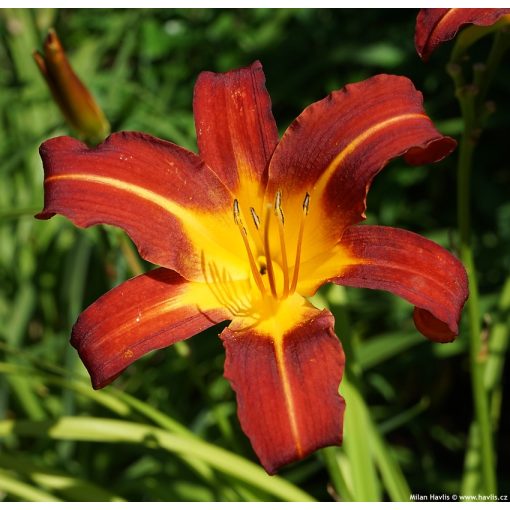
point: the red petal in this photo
(236, 131)
(158, 192)
(435, 26)
(336, 146)
(412, 267)
(287, 388)
(431, 327)
(148, 312)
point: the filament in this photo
(281, 233)
(268, 265)
(267, 251)
(253, 265)
(297, 260)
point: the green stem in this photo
(497, 52)
(474, 112)
(498, 342)
(477, 359)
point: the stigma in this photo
(274, 265)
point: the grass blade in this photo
(73, 489)
(22, 490)
(116, 431)
(357, 443)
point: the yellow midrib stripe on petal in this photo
(288, 315)
(192, 223)
(354, 144)
(287, 393)
(166, 204)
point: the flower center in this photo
(264, 266)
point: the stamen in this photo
(297, 260)
(267, 252)
(278, 206)
(237, 214)
(255, 218)
(244, 235)
(306, 203)
(281, 233)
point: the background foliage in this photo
(176, 434)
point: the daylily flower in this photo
(246, 231)
(435, 26)
(74, 100)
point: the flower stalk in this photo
(477, 359)
(475, 113)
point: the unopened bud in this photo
(74, 100)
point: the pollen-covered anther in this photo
(255, 218)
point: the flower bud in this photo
(74, 100)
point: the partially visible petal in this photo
(431, 327)
(336, 146)
(236, 131)
(435, 26)
(148, 312)
(411, 267)
(170, 203)
(286, 372)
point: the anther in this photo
(278, 206)
(256, 219)
(306, 203)
(237, 214)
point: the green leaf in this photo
(22, 490)
(116, 431)
(357, 443)
(378, 349)
(74, 489)
(366, 448)
(332, 459)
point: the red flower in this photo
(249, 228)
(435, 26)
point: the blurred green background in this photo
(411, 406)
